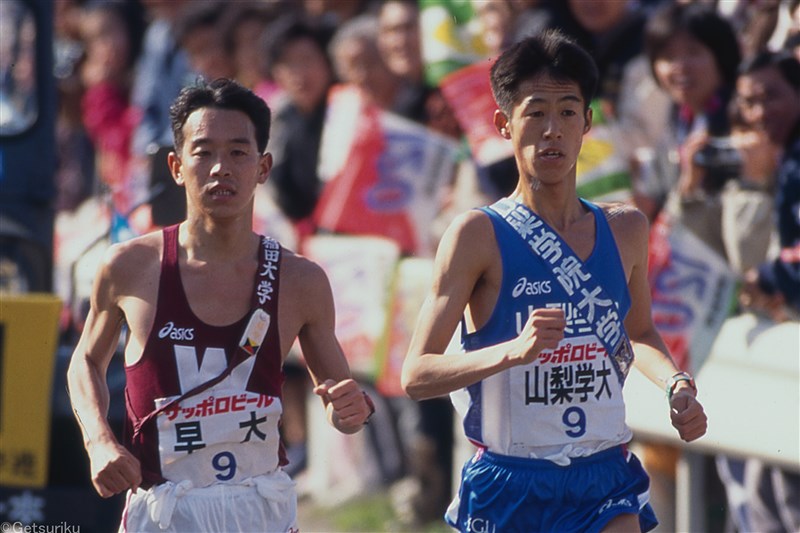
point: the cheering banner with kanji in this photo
(384, 174)
(693, 291)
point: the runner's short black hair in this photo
(221, 93)
(551, 53)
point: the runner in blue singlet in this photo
(552, 298)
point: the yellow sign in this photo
(28, 341)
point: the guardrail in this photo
(750, 389)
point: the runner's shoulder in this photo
(471, 228)
(304, 271)
(133, 257)
(625, 215)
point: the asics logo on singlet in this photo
(176, 334)
(530, 288)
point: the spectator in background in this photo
(242, 26)
(161, 72)
(111, 34)
(694, 54)
(423, 495)
(75, 171)
(792, 42)
(768, 95)
(400, 48)
(399, 39)
(764, 497)
(357, 61)
(748, 204)
(612, 32)
(296, 55)
(497, 21)
(536, 16)
(329, 15)
(755, 22)
(197, 31)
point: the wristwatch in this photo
(675, 379)
(371, 406)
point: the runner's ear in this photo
(501, 124)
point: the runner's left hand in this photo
(350, 408)
(687, 415)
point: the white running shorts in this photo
(265, 503)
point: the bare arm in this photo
(113, 468)
(462, 262)
(343, 398)
(652, 355)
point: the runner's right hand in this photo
(114, 469)
(543, 331)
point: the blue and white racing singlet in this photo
(567, 403)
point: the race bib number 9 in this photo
(219, 436)
(569, 394)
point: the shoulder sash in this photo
(585, 293)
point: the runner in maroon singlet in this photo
(211, 311)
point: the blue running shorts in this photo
(501, 494)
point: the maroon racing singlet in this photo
(223, 434)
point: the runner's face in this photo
(546, 128)
(219, 162)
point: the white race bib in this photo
(220, 435)
(568, 395)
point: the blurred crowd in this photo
(698, 101)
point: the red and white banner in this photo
(384, 173)
(469, 94)
(693, 292)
